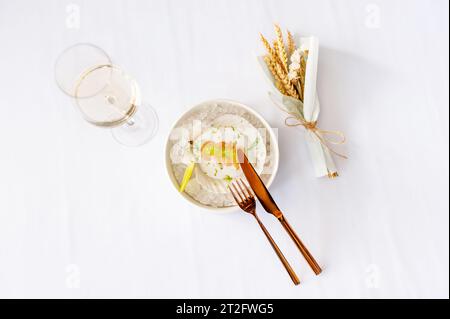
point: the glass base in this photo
(139, 129)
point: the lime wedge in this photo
(187, 176)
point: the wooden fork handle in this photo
(309, 258)
(280, 255)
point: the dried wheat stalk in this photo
(289, 87)
(272, 67)
(281, 50)
(291, 43)
(277, 61)
(270, 50)
(303, 71)
(298, 86)
(280, 87)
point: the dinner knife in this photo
(271, 207)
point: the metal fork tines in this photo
(246, 201)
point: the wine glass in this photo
(105, 94)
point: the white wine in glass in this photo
(105, 94)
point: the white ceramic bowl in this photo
(273, 142)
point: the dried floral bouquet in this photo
(289, 77)
(292, 70)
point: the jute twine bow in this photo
(312, 127)
(296, 120)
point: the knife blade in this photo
(258, 186)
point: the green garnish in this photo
(228, 178)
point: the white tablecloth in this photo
(83, 216)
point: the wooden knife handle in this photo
(306, 254)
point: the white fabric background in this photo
(83, 216)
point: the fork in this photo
(246, 201)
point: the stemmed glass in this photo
(105, 94)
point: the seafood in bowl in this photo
(204, 143)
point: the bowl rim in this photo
(247, 108)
